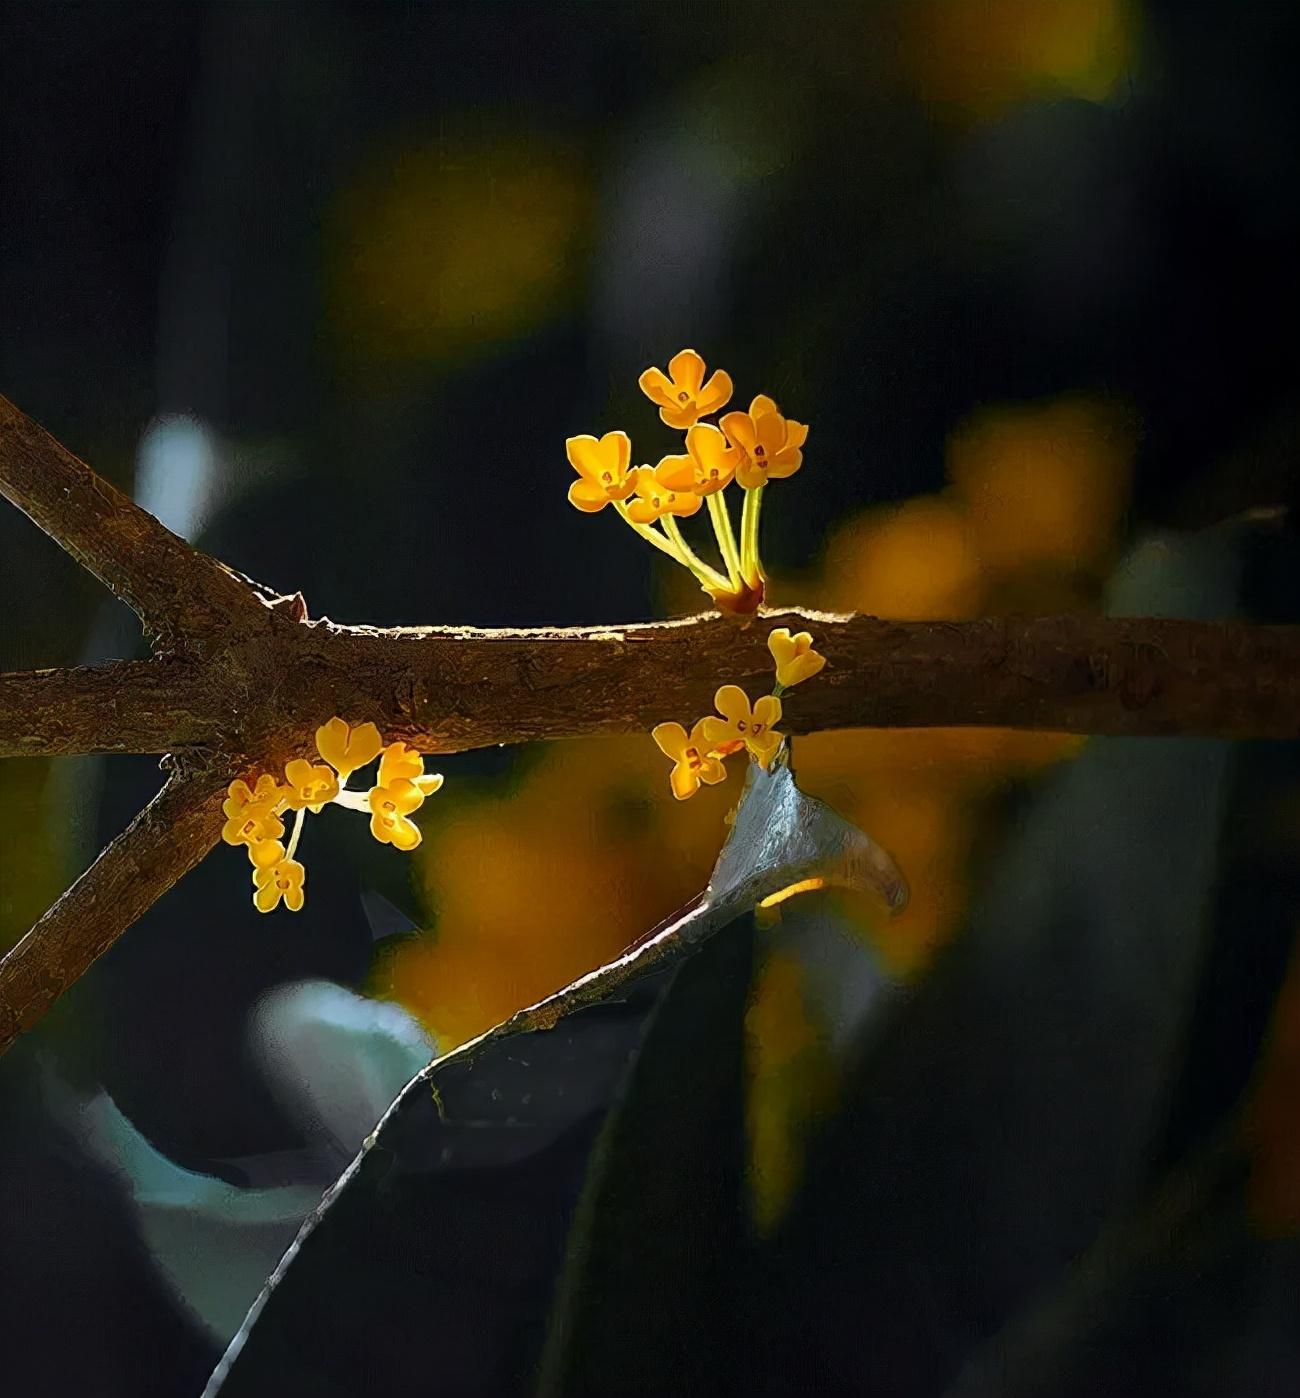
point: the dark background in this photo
(383, 259)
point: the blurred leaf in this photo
(659, 1223)
(437, 1252)
(336, 1059)
(1013, 1103)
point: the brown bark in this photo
(242, 680)
(165, 841)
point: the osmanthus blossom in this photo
(745, 724)
(655, 497)
(750, 448)
(739, 725)
(602, 465)
(253, 813)
(681, 394)
(692, 760)
(796, 660)
(769, 444)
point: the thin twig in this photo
(163, 843)
(171, 586)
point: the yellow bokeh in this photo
(30, 839)
(1044, 484)
(531, 884)
(977, 58)
(440, 250)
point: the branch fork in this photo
(241, 678)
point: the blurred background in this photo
(327, 285)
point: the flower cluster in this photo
(254, 814)
(749, 448)
(698, 755)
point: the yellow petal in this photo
(656, 387)
(406, 835)
(767, 710)
(684, 782)
(762, 406)
(782, 645)
(765, 747)
(266, 897)
(676, 472)
(680, 416)
(733, 703)
(642, 512)
(715, 394)
(714, 732)
(428, 785)
(687, 371)
(712, 772)
(615, 453)
(584, 456)
(299, 772)
(294, 898)
(265, 854)
(588, 497)
(684, 503)
(740, 430)
(671, 739)
(399, 760)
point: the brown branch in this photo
(165, 841)
(127, 706)
(172, 587)
(246, 681)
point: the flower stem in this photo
(297, 832)
(709, 577)
(749, 560)
(726, 539)
(648, 532)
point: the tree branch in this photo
(127, 706)
(165, 841)
(248, 679)
(171, 586)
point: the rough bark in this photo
(240, 680)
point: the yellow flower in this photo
(655, 498)
(252, 815)
(770, 445)
(795, 658)
(310, 787)
(391, 807)
(402, 762)
(603, 466)
(692, 760)
(682, 395)
(276, 876)
(346, 748)
(742, 724)
(710, 464)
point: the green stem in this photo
(648, 532)
(749, 560)
(709, 577)
(297, 832)
(726, 539)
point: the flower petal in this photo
(765, 747)
(740, 430)
(399, 760)
(684, 782)
(266, 897)
(676, 472)
(687, 371)
(767, 710)
(584, 456)
(642, 512)
(715, 394)
(762, 406)
(671, 739)
(684, 503)
(656, 387)
(294, 898)
(680, 416)
(588, 497)
(733, 703)
(406, 834)
(265, 854)
(712, 771)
